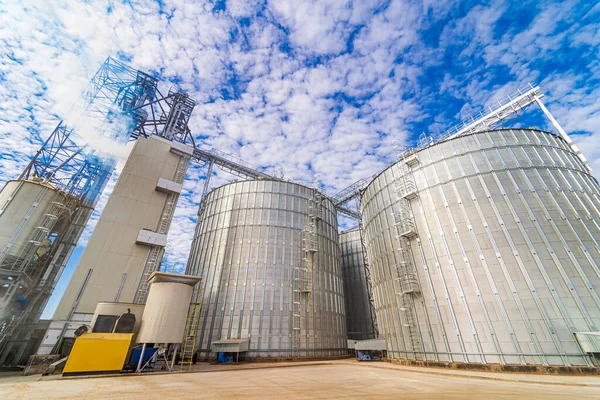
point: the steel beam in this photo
(230, 163)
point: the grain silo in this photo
(36, 218)
(358, 311)
(484, 249)
(269, 257)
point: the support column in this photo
(562, 132)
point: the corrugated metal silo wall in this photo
(247, 243)
(358, 313)
(507, 252)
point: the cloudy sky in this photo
(300, 86)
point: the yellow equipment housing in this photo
(98, 352)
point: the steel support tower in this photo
(119, 104)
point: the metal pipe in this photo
(139, 365)
(174, 356)
(120, 287)
(75, 304)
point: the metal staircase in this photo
(188, 347)
(405, 269)
(39, 293)
(25, 263)
(41, 232)
(4, 253)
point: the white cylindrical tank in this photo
(22, 205)
(166, 308)
(484, 249)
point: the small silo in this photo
(166, 310)
(358, 311)
(32, 214)
(484, 249)
(35, 220)
(23, 208)
(269, 257)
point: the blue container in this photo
(365, 355)
(149, 352)
(224, 358)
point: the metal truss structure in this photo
(490, 117)
(343, 197)
(497, 113)
(119, 104)
(122, 104)
(230, 163)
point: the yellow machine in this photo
(98, 352)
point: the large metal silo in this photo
(485, 248)
(358, 312)
(269, 257)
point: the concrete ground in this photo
(314, 380)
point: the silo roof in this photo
(157, 277)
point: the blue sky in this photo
(302, 86)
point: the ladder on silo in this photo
(188, 347)
(66, 205)
(302, 275)
(155, 254)
(406, 228)
(410, 324)
(27, 256)
(296, 309)
(22, 224)
(310, 243)
(54, 211)
(25, 262)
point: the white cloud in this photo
(276, 85)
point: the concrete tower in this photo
(128, 241)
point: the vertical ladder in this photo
(309, 248)
(155, 254)
(296, 310)
(151, 266)
(64, 206)
(22, 224)
(25, 263)
(410, 324)
(54, 211)
(302, 275)
(188, 346)
(405, 269)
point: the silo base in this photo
(342, 355)
(527, 369)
